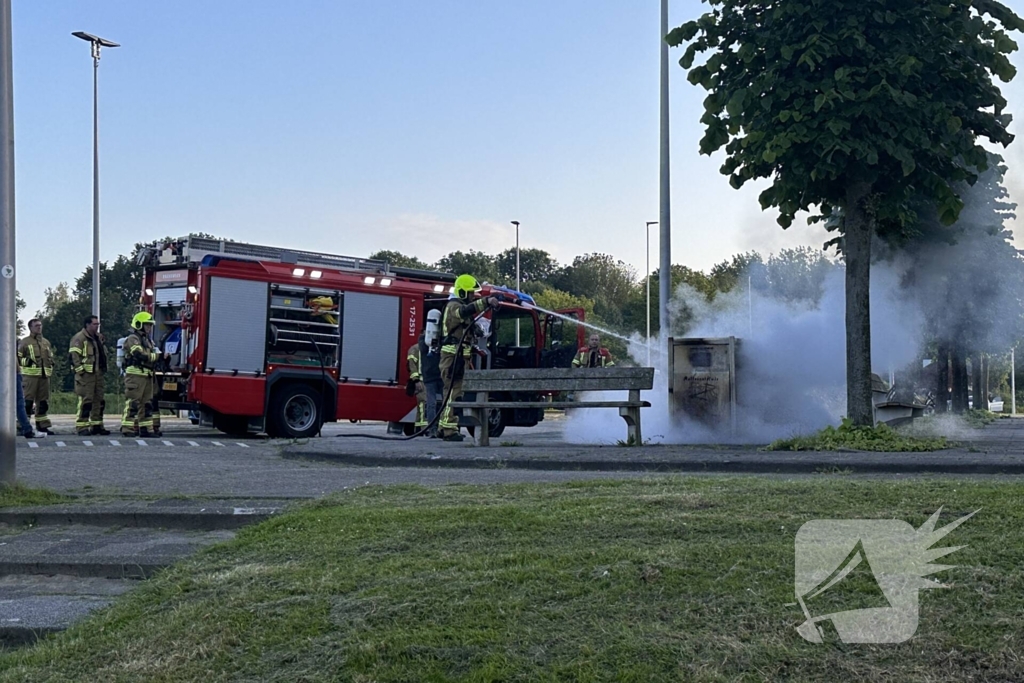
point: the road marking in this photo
(217, 443)
(33, 444)
(87, 443)
(193, 444)
(60, 444)
(241, 444)
(141, 442)
(115, 442)
(168, 443)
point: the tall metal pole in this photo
(665, 272)
(1013, 382)
(516, 223)
(8, 311)
(95, 180)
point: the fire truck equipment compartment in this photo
(238, 325)
(369, 346)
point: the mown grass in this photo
(20, 495)
(654, 580)
(847, 436)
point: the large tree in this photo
(398, 259)
(852, 105)
(535, 265)
(476, 263)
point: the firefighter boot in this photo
(454, 437)
(144, 433)
(100, 431)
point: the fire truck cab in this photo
(274, 340)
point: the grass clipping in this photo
(847, 436)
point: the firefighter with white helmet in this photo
(141, 417)
(457, 325)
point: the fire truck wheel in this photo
(295, 412)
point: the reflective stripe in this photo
(136, 370)
(32, 372)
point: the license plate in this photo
(170, 386)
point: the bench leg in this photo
(633, 434)
(483, 431)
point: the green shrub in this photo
(846, 435)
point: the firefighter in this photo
(416, 386)
(457, 324)
(88, 359)
(35, 356)
(593, 355)
(140, 357)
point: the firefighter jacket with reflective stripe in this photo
(412, 357)
(140, 355)
(424, 364)
(458, 316)
(593, 358)
(87, 354)
(35, 355)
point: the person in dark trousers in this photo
(430, 366)
(24, 424)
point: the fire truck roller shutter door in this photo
(369, 345)
(237, 335)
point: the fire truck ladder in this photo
(198, 248)
(193, 249)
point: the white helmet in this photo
(433, 331)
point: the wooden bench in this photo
(541, 380)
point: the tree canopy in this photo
(855, 106)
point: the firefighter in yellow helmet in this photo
(35, 356)
(457, 325)
(141, 417)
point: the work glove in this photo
(410, 388)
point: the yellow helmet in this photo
(465, 285)
(141, 318)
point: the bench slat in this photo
(559, 379)
(550, 404)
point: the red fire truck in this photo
(274, 340)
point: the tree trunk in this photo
(858, 230)
(959, 398)
(942, 386)
(985, 376)
(977, 383)
(965, 380)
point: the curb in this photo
(807, 466)
(104, 570)
(189, 521)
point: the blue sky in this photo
(352, 126)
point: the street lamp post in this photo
(8, 309)
(96, 43)
(516, 223)
(649, 224)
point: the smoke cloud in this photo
(791, 376)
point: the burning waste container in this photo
(702, 379)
